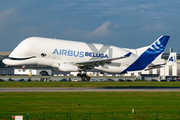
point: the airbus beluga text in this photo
(80, 56)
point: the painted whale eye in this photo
(43, 54)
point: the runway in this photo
(90, 89)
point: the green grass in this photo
(90, 84)
(77, 105)
(91, 105)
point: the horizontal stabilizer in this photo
(171, 61)
(152, 66)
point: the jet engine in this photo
(65, 67)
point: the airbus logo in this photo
(78, 53)
(171, 59)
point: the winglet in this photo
(127, 55)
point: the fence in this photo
(120, 115)
(12, 116)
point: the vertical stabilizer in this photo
(172, 58)
(149, 54)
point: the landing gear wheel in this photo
(79, 75)
(88, 78)
(83, 76)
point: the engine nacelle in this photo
(67, 67)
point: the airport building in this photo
(164, 71)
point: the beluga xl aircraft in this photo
(72, 56)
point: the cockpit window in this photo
(11, 58)
(43, 54)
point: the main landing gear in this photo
(84, 76)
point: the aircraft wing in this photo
(152, 66)
(100, 62)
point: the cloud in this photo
(156, 27)
(102, 30)
(6, 13)
(28, 30)
(6, 18)
(71, 31)
(73, 34)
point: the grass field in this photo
(92, 105)
(90, 84)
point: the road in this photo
(89, 89)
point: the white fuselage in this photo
(70, 55)
(63, 51)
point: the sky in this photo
(122, 23)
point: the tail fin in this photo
(172, 59)
(154, 50)
(149, 54)
(158, 46)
